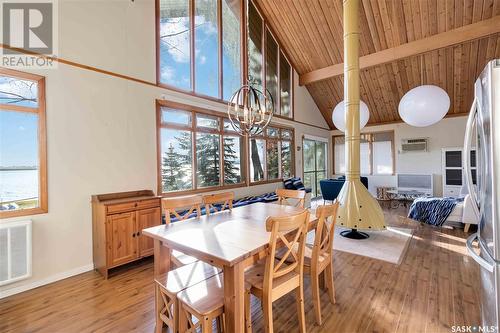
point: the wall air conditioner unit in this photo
(15, 251)
(414, 145)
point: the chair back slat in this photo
(172, 206)
(290, 231)
(224, 199)
(285, 194)
(325, 230)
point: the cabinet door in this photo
(147, 218)
(121, 238)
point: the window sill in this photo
(22, 212)
(202, 190)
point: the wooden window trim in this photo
(192, 90)
(243, 51)
(393, 146)
(42, 141)
(267, 138)
(244, 148)
(266, 27)
(194, 129)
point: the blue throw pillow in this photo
(299, 185)
(288, 183)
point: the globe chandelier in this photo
(424, 105)
(250, 110)
(338, 115)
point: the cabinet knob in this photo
(138, 233)
(133, 235)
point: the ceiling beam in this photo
(445, 39)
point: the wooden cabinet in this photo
(118, 219)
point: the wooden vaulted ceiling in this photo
(311, 33)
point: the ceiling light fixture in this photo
(250, 110)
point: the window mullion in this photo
(219, 51)
(191, 43)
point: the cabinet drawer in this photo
(148, 203)
(121, 207)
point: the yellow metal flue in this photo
(358, 208)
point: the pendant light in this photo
(424, 105)
(250, 110)
(338, 115)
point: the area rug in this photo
(389, 245)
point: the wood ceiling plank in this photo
(311, 33)
(457, 36)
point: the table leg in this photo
(234, 298)
(162, 258)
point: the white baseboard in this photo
(47, 280)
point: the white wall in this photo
(447, 133)
(101, 130)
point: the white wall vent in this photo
(15, 251)
(414, 145)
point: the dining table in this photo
(231, 240)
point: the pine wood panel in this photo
(312, 36)
(432, 289)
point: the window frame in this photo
(42, 141)
(264, 136)
(192, 90)
(267, 28)
(370, 149)
(194, 129)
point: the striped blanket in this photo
(433, 211)
(267, 197)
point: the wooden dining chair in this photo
(181, 208)
(205, 302)
(168, 285)
(174, 207)
(319, 258)
(285, 194)
(224, 199)
(270, 279)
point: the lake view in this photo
(18, 184)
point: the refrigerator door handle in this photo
(481, 261)
(466, 156)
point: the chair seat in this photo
(181, 259)
(254, 276)
(186, 276)
(204, 297)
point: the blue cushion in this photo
(288, 183)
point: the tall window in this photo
(197, 150)
(315, 164)
(271, 155)
(23, 167)
(267, 63)
(377, 153)
(199, 46)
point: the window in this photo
(197, 150)
(23, 167)
(199, 46)
(315, 164)
(271, 155)
(376, 154)
(275, 68)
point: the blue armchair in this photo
(330, 188)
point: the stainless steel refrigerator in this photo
(483, 127)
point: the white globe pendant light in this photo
(424, 105)
(338, 116)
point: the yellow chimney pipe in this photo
(358, 208)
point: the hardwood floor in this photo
(432, 289)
